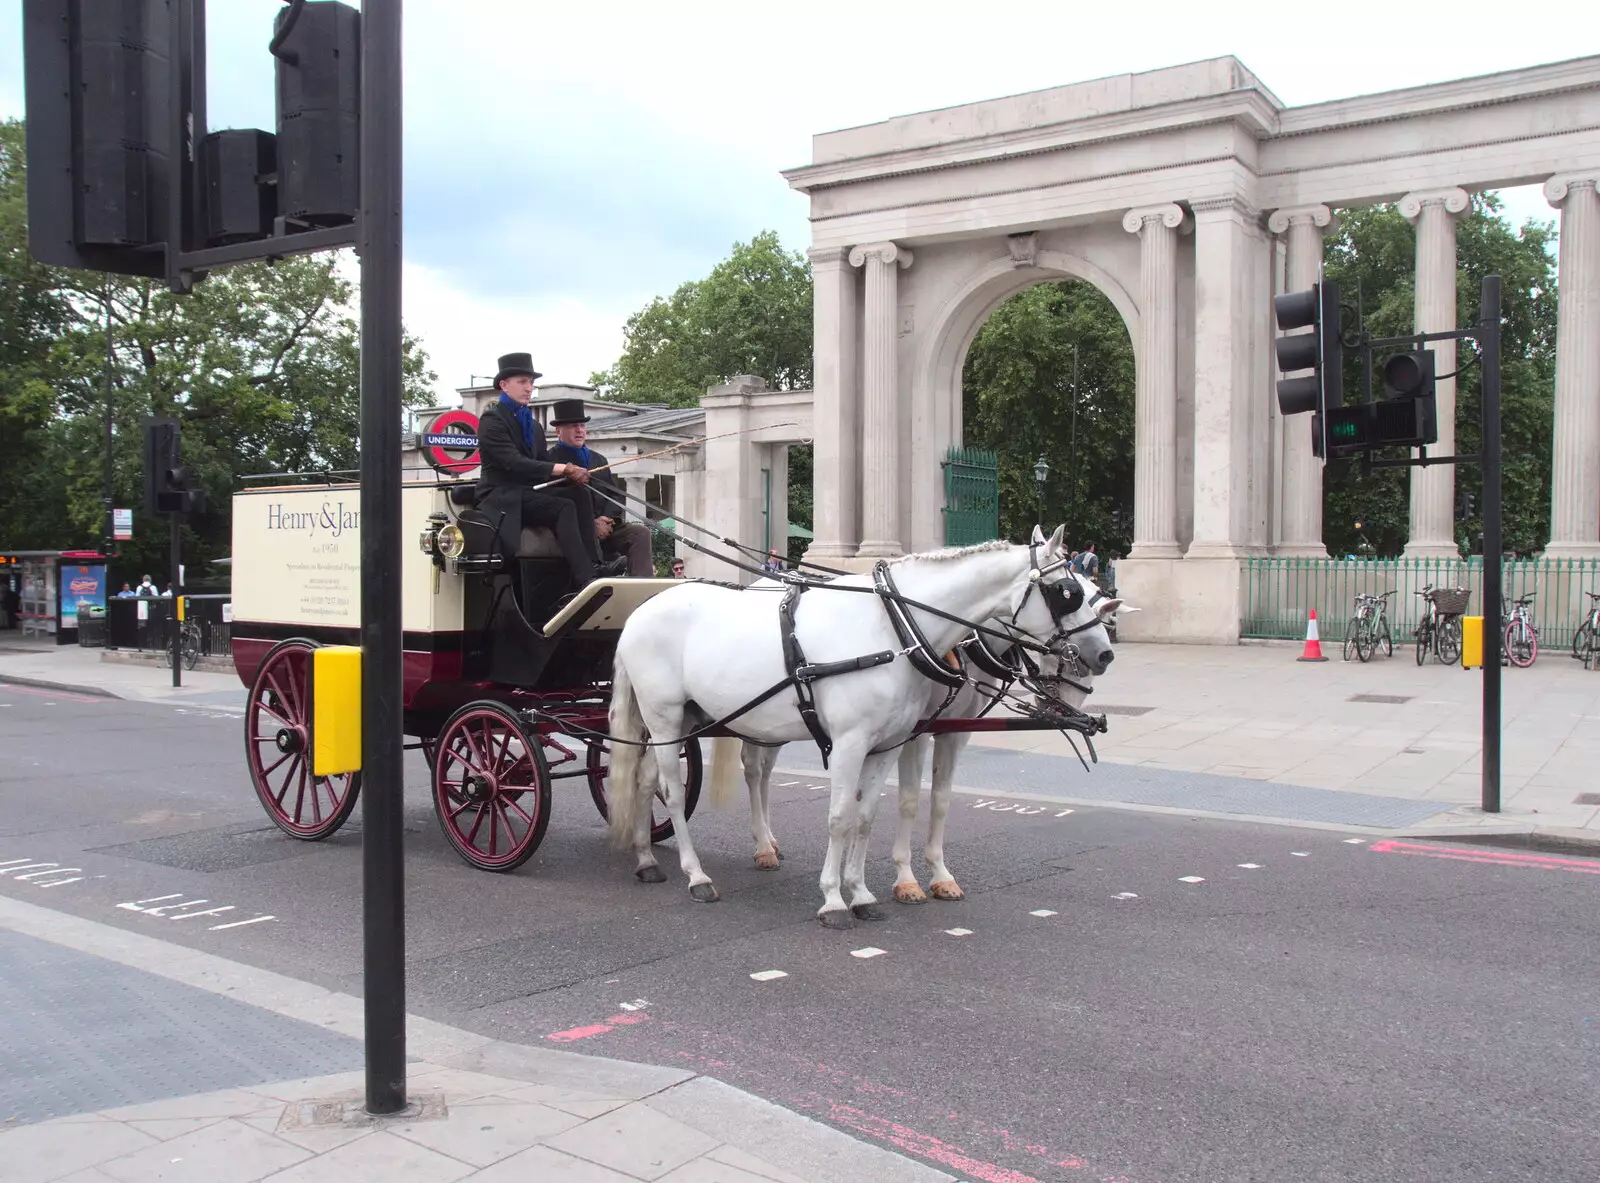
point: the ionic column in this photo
(1575, 476)
(836, 407)
(1155, 413)
(1433, 530)
(880, 404)
(1301, 531)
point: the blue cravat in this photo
(524, 414)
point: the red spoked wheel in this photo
(491, 787)
(277, 746)
(689, 767)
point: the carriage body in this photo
(499, 667)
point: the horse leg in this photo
(768, 763)
(667, 723)
(843, 808)
(946, 751)
(906, 888)
(863, 904)
(757, 775)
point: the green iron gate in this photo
(971, 496)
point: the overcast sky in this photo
(566, 162)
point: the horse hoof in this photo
(704, 893)
(909, 893)
(837, 919)
(946, 889)
(650, 875)
(868, 912)
(767, 860)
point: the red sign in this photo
(450, 443)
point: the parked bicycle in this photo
(1439, 631)
(1369, 627)
(189, 644)
(1521, 634)
(1584, 640)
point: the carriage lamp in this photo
(430, 534)
(1041, 473)
(452, 542)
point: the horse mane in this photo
(948, 553)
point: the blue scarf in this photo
(581, 453)
(524, 414)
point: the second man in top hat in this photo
(616, 535)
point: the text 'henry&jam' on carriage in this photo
(506, 678)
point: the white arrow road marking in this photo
(769, 975)
(138, 905)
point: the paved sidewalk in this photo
(73, 669)
(200, 1074)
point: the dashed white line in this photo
(869, 951)
(1249, 866)
(769, 975)
(1301, 853)
(241, 923)
(958, 932)
(1126, 895)
(1191, 879)
(636, 1004)
(784, 784)
(1355, 841)
(1041, 912)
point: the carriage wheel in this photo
(277, 747)
(689, 765)
(491, 787)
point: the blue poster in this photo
(83, 588)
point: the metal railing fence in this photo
(145, 622)
(1280, 592)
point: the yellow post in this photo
(1471, 642)
(181, 599)
(335, 710)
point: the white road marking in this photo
(1355, 841)
(869, 951)
(784, 784)
(27, 866)
(769, 975)
(13, 862)
(636, 1004)
(1301, 853)
(138, 905)
(241, 923)
(49, 873)
(958, 932)
(1190, 879)
(1126, 895)
(61, 882)
(206, 912)
(1249, 866)
(1041, 912)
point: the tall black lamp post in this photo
(1041, 474)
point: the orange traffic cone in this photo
(1313, 649)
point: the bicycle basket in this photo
(1452, 601)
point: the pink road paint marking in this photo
(927, 1146)
(573, 1034)
(1538, 862)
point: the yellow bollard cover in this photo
(335, 710)
(1471, 642)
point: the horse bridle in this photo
(1062, 602)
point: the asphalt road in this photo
(1311, 1009)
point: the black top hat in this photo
(567, 410)
(512, 364)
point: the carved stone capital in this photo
(825, 255)
(1455, 202)
(1024, 248)
(1319, 216)
(1230, 203)
(1557, 188)
(1170, 215)
(884, 252)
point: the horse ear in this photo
(1054, 545)
(1038, 536)
(1111, 607)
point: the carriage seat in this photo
(537, 542)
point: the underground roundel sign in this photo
(450, 444)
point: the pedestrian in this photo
(147, 588)
(774, 564)
(677, 569)
(127, 592)
(1088, 563)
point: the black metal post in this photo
(110, 492)
(1489, 344)
(175, 561)
(382, 845)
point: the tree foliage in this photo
(1051, 374)
(751, 315)
(1373, 254)
(260, 365)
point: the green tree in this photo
(260, 365)
(751, 315)
(1051, 373)
(1373, 256)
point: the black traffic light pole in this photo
(175, 567)
(383, 890)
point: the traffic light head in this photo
(1319, 351)
(169, 486)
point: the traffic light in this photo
(102, 127)
(1409, 416)
(1319, 351)
(169, 487)
(318, 50)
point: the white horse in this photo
(701, 652)
(1093, 655)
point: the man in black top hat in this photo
(512, 451)
(617, 535)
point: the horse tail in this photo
(622, 780)
(726, 765)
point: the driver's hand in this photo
(577, 474)
(603, 528)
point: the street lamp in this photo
(1041, 474)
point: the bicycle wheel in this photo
(1522, 646)
(1385, 639)
(1583, 641)
(1366, 641)
(191, 648)
(1450, 640)
(1352, 630)
(1424, 642)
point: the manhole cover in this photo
(1391, 699)
(1587, 799)
(1114, 710)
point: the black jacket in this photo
(508, 466)
(603, 487)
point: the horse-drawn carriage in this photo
(509, 681)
